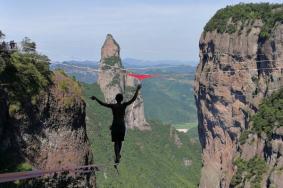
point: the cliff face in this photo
(236, 71)
(3, 112)
(112, 80)
(50, 134)
(268, 153)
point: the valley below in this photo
(162, 152)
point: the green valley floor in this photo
(149, 159)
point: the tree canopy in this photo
(225, 20)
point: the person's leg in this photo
(120, 147)
(117, 150)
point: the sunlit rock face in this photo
(228, 90)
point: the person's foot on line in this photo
(117, 160)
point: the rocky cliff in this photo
(113, 79)
(241, 52)
(43, 132)
(3, 111)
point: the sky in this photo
(144, 29)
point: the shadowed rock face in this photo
(3, 112)
(113, 80)
(51, 135)
(229, 88)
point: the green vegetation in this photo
(185, 125)
(68, 88)
(231, 28)
(23, 167)
(227, 19)
(10, 161)
(251, 170)
(112, 61)
(115, 81)
(149, 159)
(14, 108)
(268, 118)
(173, 94)
(24, 74)
(170, 101)
(14, 166)
(28, 45)
(270, 114)
(244, 136)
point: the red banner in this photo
(141, 76)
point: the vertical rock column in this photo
(113, 79)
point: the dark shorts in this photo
(118, 133)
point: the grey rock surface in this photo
(236, 71)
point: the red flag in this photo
(141, 76)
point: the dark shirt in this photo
(118, 111)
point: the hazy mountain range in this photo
(131, 62)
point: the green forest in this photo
(170, 101)
(226, 20)
(23, 73)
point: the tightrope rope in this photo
(13, 176)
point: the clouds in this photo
(76, 29)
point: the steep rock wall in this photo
(50, 134)
(3, 112)
(269, 152)
(236, 71)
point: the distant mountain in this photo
(74, 62)
(130, 62)
(172, 88)
(80, 70)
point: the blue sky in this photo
(145, 29)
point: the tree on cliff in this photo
(270, 114)
(23, 74)
(2, 35)
(28, 45)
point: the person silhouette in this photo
(118, 127)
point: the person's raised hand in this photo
(139, 86)
(93, 98)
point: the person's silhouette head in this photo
(119, 98)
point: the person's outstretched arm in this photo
(134, 97)
(100, 102)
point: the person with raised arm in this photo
(118, 127)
